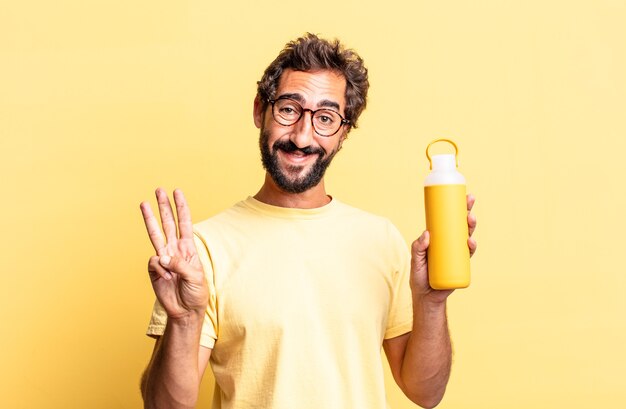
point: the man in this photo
(290, 293)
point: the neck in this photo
(271, 194)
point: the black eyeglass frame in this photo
(343, 120)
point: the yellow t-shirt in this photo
(300, 302)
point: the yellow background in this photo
(102, 101)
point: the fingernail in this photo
(165, 260)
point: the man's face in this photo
(295, 156)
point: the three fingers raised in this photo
(171, 230)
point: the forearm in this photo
(172, 378)
(428, 356)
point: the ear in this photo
(258, 112)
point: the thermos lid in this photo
(443, 163)
(444, 167)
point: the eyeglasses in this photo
(287, 112)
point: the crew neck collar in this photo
(290, 212)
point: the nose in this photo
(302, 135)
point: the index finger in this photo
(185, 227)
(152, 226)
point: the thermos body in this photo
(446, 221)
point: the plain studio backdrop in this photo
(102, 101)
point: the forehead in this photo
(314, 86)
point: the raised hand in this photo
(419, 262)
(176, 273)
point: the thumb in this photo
(421, 244)
(175, 264)
(418, 256)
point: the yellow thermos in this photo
(446, 221)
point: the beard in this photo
(297, 183)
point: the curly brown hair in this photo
(310, 53)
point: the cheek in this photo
(275, 132)
(271, 136)
(331, 145)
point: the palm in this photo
(188, 290)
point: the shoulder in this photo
(374, 225)
(363, 216)
(223, 221)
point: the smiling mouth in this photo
(292, 155)
(297, 155)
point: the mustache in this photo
(288, 146)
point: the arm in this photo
(420, 360)
(169, 379)
(172, 378)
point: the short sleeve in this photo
(158, 319)
(400, 319)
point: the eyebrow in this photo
(325, 103)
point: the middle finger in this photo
(167, 216)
